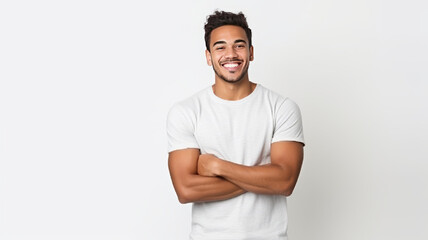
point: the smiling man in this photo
(236, 147)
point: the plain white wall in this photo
(85, 87)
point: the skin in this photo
(204, 177)
(278, 177)
(192, 187)
(230, 44)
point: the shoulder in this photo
(189, 106)
(276, 100)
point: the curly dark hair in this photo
(221, 18)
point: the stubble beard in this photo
(237, 80)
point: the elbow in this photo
(287, 192)
(184, 196)
(185, 192)
(287, 186)
(183, 200)
(286, 189)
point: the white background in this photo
(85, 87)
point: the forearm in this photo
(278, 177)
(191, 187)
(196, 188)
(264, 179)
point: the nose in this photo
(231, 53)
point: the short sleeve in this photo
(288, 123)
(180, 128)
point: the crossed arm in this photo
(202, 178)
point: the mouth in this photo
(231, 66)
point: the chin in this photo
(235, 80)
(232, 80)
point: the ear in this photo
(208, 56)
(251, 53)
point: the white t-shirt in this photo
(241, 132)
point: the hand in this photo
(207, 164)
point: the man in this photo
(235, 148)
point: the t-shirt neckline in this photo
(242, 100)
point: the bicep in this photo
(288, 155)
(183, 163)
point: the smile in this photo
(231, 66)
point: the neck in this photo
(233, 91)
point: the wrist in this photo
(217, 166)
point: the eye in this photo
(240, 46)
(219, 48)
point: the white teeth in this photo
(230, 65)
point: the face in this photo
(230, 54)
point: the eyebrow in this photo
(224, 42)
(240, 41)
